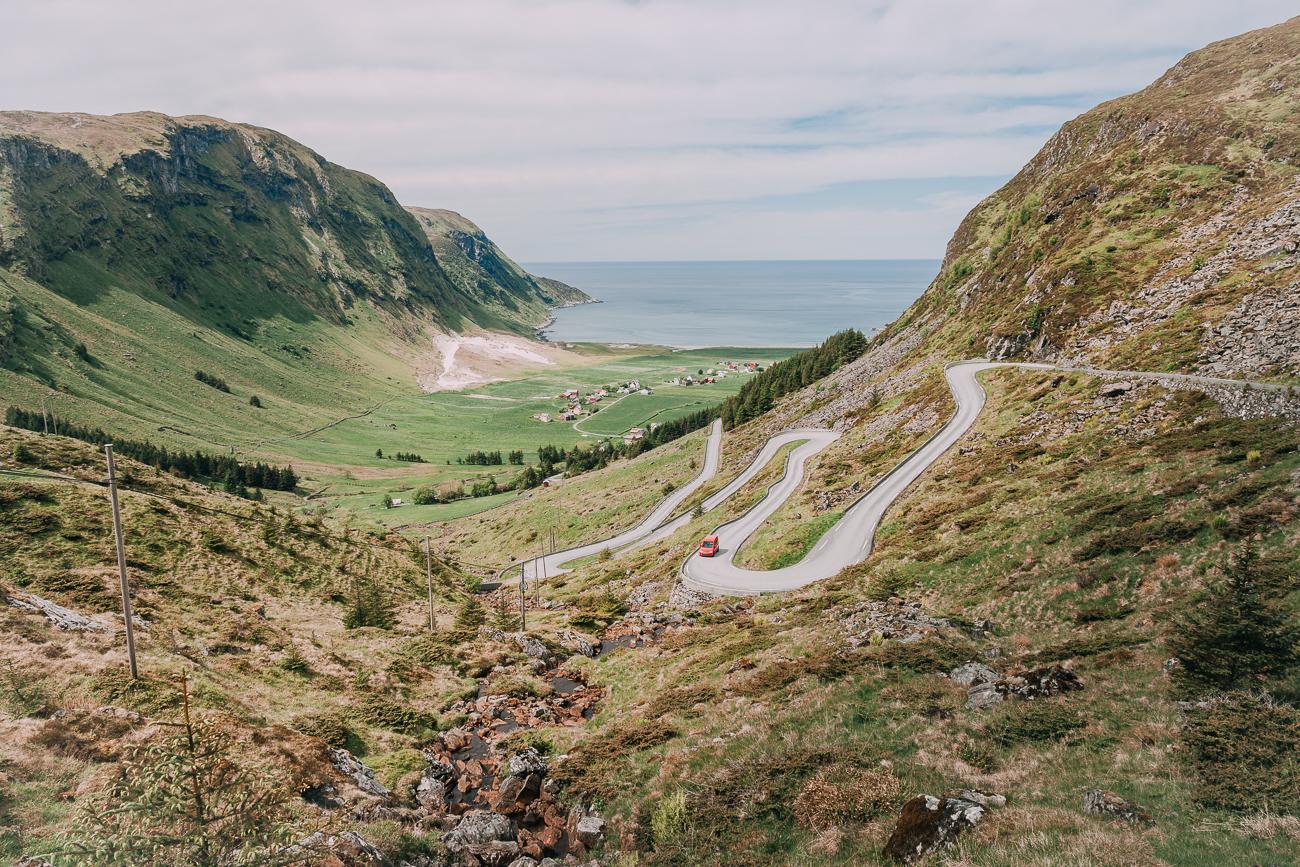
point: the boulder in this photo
(527, 761)
(479, 827)
(576, 642)
(515, 792)
(1038, 682)
(1115, 389)
(1102, 803)
(531, 647)
(347, 847)
(455, 739)
(350, 766)
(494, 853)
(983, 695)
(973, 674)
(591, 830)
(1029, 685)
(431, 793)
(928, 823)
(525, 861)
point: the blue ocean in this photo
(694, 304)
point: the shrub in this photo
(668, 821)
(527, 739)
(681, 699)
(978, 754)
(384, 712)
(1022, 722)
(255, 401)
(845, 793)
(1236, 635)
(214, 381)
(426, 495)
(1242, 753)
(24, 455)
(333, 729)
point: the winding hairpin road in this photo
(850, 540)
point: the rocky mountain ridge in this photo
(1160, 230)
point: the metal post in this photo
(121, 561)
(428, 575)
(523, 602)
(541, 564)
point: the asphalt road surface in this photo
(844, 544)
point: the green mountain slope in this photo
(139, 249)
(1158, 230)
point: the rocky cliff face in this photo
(482, 270)
(1159, 230)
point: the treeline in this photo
(759, 394)
(578, 460)
(409, 457)
(482, 459)
(236, 476)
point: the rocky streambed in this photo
(490, 791)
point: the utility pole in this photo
(523, 600)
(428, 576)
(121, 561)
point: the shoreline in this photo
(540, 331)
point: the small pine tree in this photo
(370, 606)
(1236, 636)
(255, 401)
(698, 511)
(388, 501)
(470, 616)
(187, 799)
(503, 617)
(379, 453)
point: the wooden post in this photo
(428, 576)
(121, 561)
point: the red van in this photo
(709, 546)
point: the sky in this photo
(587, 130)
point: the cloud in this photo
(593, 129)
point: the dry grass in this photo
(845, 793)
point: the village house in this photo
(636, 433)
(542, 416)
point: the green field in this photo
(331, 395)
(445, 426)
